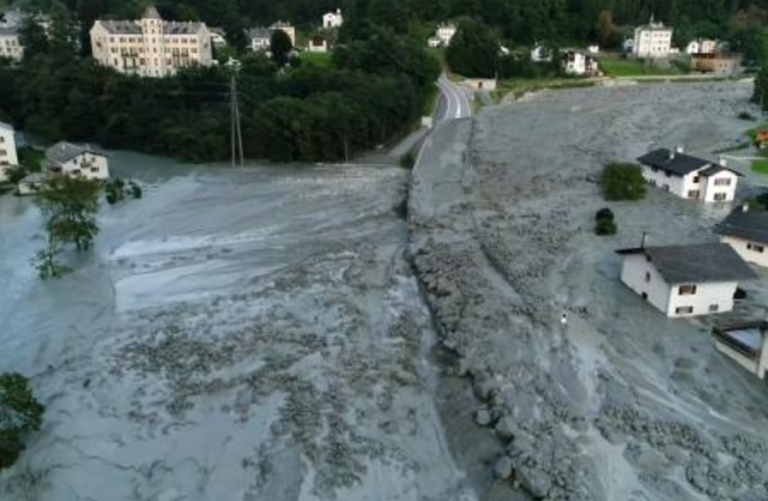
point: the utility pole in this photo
(237, 133)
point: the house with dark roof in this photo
(685, 280)
(747, 232)
(76, 160)
(690, 177)
(746, 343)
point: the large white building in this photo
(77, 161)
(685, 280)
(151, 47)
(689, 177)
(333, 20)
(747, 232)
(652, 41)
(8, 155)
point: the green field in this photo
(320, 59)
(631, 68)
(760, 166)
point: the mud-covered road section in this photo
(250, 335)
(621, 404)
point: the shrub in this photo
(622, 181)
(20, 414)
(606, 227)
(136, 191)
(605, 213)
(408, 160)
(746, 116)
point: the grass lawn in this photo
(320, 59)
(760, 166)
(631, 68)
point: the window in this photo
(684, 310)
(756, 248)
(694, 194)
(719, 197)
(714, 308)
(696, 179)
(723, 182)
(647, 276)
(687, 290)
(666, 187)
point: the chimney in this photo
(723, 162)
(671, 154)
(745, 207)
(680, 149)
(645, 240)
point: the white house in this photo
(259, 39)
(333, 20)
(652, 41)
(685, 280)
(628, 46)
(433, 42)
(689, 177)
(445, 33)
(747, 232)
(77, 160)
(286, 28)
(593, 49)
(8, 156)
(541, 54)
(580, 63)
(702, 46)
(318, 44)
(10, 43)
(746, 344)
(218, 37)
(151, 47)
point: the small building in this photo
(445, 33)
(333, 20)
(318, 44)
(685, 280)
(652, 41)
(761, 138)
(747, 232)
(32, 184)
(77, 160)
(718, 64)
(286, 28)
(434, 43)
(218, 38)
(593, 49)
(628, 47)
(580, 63)
(541, 54)
(259, 39)
(746, 344)
(702, 46)
(10, 43)
(689, 177)
(8, 155)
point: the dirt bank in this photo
(623, 404)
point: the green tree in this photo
(15, 176)
(622, 181)
(88, 11)
(280, 46)
(391, 14)
(33, 38)
(63, 34)
(474, 50)
(69, 207)
(20, 415)
(760, 95)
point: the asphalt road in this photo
(455, 101)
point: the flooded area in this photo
(244, 334)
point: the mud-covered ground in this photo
(623, 404)
(250, 335)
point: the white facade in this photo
(8, 155)
(702, 46)
(318, 45)
(675, 300)
(151, 47)
(333, 20)
(77, 161)
(750, 251)
(260, 39)
(652, 41)
(580, 64)
(541, 54)
(746, 344)
(10, 44)
(593, 49)
(445, 33)
(287, 29)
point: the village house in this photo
(445, 33)
(218, 38)
(541, 54)
(747, 232)
(77, 161)
(318, 44)
(333, 20)
(580, 63)
(689, 177)
(151, 47)
(10, 43)
(652, 41)
(260, 39)
(718, 64)
(8, 155)
(702, 46)
(685, 280)
(746, 344)
(286, 28)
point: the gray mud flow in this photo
(238, 335)
(623, 404)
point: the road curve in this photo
(455, 101)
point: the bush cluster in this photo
(622, 181)
(605, 222)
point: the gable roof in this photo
(120, 27)
(675, 163)
(715, 169)
(151, 13)
(63, 152)
(696, 264)
(751, 225)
